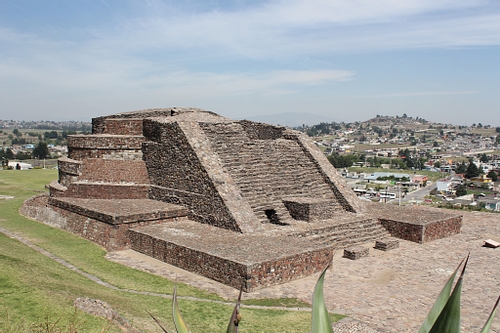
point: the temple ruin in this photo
(244, 203)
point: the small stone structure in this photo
(244, 203)
(387, 244)
(356, 252)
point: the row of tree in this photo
(406, 161)
(41, 151)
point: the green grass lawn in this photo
(35, 289)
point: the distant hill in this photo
(292, 119)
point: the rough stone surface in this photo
(387, 244)
(251, 261)
(102, 309)
(356, 252)
(417, 223)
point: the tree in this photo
(460, 191)
(17, 133)
(342, 161)
(493, 175)
(483, 158)
(437, 164)
(472, 170)
(461, 168)
(497, 129)
(9, 154)
(50, 135)
(23, 155)
(41, 150)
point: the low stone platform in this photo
(356, 252)
(253, 261)
(105, 222)
(417, 223)
(120, 211)
(387, 244)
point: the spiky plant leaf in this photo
(159, 323)
(487, 325)
(232, 327)
(439, 304)
(321, 322)
(449, 319)
(179, 323)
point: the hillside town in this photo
(415, 161)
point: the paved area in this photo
(391, 291)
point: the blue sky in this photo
(345, 59)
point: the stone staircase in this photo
(346, 234)
(267, 171)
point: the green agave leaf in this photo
(321, 322)
(232, 327)
(439, 304)
(449, 319)
(179, 323)
(159, 323)
(487, 325)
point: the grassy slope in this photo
(33, 287)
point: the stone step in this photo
(107, 190)
(352, 233)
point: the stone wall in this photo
(443, 228)
(261, 131)
(248, 276)
(424, 232)
(417, 223)
(111, 237)
(287, 269)
(178, 176)
(114, 171)
(117, 126)
(208, 265)
(69, 170)
(106, 191)
(98, 146)
(403, 230)
(310, 209)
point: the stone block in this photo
(387, 244)
(356, 252)
(310, 209)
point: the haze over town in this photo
(346, 61)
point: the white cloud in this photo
(284, 28)
(207, 84)
(422, 94)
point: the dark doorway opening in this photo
(272, 216)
